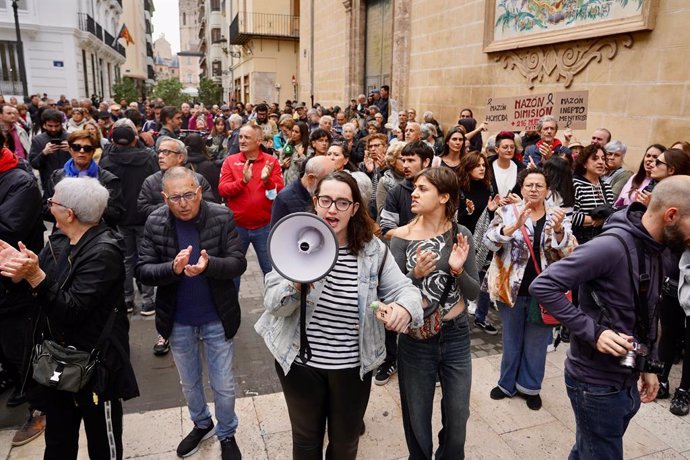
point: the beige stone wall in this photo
(642, 95)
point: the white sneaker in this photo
(471, 307)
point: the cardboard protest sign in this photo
(521, 113)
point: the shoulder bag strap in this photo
(525, 235)
(383, 259)
(106, 331)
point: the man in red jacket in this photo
(250, 181)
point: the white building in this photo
(189, 54)
(69, 47)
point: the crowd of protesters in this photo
(171, 198)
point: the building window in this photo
(217, 69)
(215, 5)
(21, 4)
(215, 35)
(86, 73)
(184, 19)
(10, 79)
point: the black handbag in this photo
(66, 368)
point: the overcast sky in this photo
(166, 20)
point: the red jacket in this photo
(248, 201)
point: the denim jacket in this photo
(512, 255)
(279, 325)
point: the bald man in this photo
(620, 276)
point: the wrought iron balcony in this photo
(246, 26)
(87, 24)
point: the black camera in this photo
(638, 358)
(650, 187)
(602, 211)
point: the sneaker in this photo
(32, 428)
(148, 310)
(471, 307)
(663, 392)
(496, 393)
(550, 348)
(384, 372)
(130, 306)
(17, 398)
(190, 444)
(162, 346)
(533, 401)
(486, 326)
(680, 404)
(229, 450)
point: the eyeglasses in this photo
(658, 163)
(534, 186)
(341, 204)
(52, 202)
(375, 146)
(85, 148)
(187, 197)
(167, 152)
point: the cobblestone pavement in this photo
(254, 371)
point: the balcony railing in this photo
(246, 26)
(87, 24)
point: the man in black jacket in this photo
(192, 252)
(49, 150)
(132, 165)
(20, 220)
(296, 197)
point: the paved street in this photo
(157, 421)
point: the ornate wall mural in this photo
(511, 24)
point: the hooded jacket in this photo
(132, 165)
(601, 265)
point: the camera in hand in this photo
(56, 141)
(602, 211)
(638, 358)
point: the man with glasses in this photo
(171, 152)
(49, 150)
(191, 251)
(373, 165)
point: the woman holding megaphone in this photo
(438, 256)
(345, 335)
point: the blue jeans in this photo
(419, 361)
(132, 236)
(258, 237)
(483, 302)
(185, 342)
(602, 414)
(524, 350)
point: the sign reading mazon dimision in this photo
(521, 113)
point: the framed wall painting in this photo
(511, 24)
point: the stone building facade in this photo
(431, 54)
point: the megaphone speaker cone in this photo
(302, 247)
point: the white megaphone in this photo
(303, 248)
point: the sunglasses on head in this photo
(85, 148)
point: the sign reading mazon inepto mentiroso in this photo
(521, 113)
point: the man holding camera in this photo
(49, 150)
(614, 328)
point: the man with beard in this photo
(620, 276)
(268, 127)
(49, 150)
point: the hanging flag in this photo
(124, 33)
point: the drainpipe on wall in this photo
(311, 52)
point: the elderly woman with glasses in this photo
(78, 281)
(515, 234)
(82, 146)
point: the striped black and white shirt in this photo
(587, 197)
(333, 331)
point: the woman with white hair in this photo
(617, 174)
(78, 281)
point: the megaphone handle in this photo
(304, 348)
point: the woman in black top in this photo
(199, 160)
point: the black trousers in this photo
(391, 347)
(102, 423)
(15, 344)
(675, 330)
(316, 396)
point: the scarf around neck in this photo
(8, 160)
(72, 171)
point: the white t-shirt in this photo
(505, 178)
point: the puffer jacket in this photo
(279, 325)
(82, 287)
(150, 197)
(218, 236)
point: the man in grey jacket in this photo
(620, 281)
